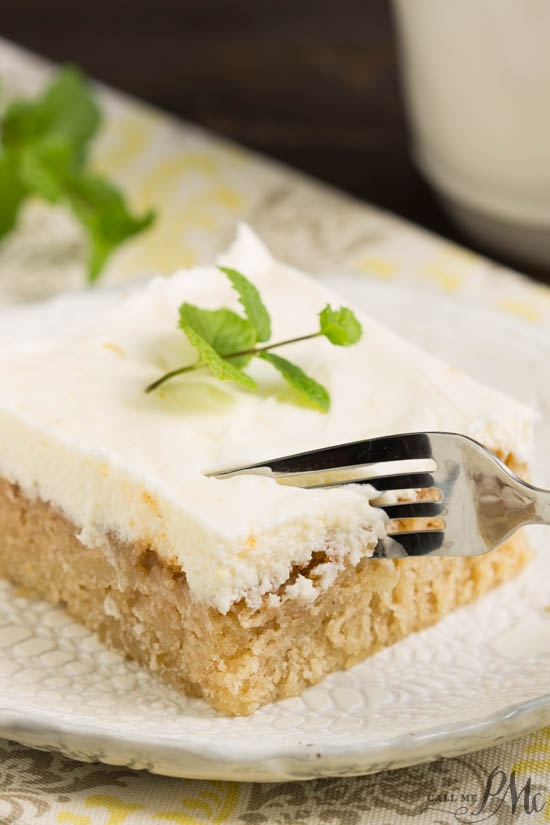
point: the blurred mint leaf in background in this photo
(44, 167)
(66, 110)
(103, 212)
(12, 193)
(43, 152)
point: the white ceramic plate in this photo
(479, 677)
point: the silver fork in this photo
(480, 502)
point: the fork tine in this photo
(421, 543)
(411, 509)
(399, 481)
(403, 481)
(353, 454)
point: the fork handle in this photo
(540, 513)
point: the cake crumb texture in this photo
(141, 606)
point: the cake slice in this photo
(241, 591)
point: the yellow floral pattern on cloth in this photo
(201, 187)
(212, 805)
(196, 182)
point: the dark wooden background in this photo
(314, 84)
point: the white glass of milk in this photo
(476, 75)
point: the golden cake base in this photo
(141, 606)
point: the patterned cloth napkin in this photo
(506, 784)
(205, 186)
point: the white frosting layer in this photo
(78, 430)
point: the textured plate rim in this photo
(339, 758)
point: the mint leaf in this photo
(70, 109)
(12, 193)
(222, 329)
(66, 111)
(249, 297)
(102, 211)
(222, 369)
(340, 326)
(302, 382)
(45, 167)
(44, 142)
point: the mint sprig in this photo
(225, 341)
(44, 145)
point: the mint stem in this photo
(253, 351)
(256, 350)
